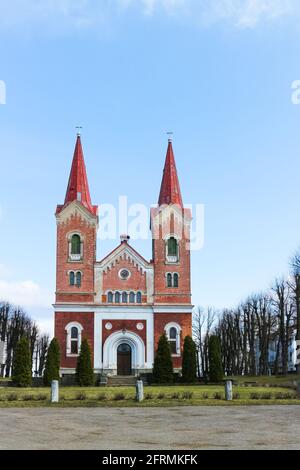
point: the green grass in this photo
(266, 379)
(170, 396)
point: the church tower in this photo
(77, 223)
(170, 226)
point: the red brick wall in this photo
(162, 319)
(164, 294)
(136, 282)
(61, 321)
(88, 232)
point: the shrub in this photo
(22, 364)
(216, 373)
(236, 396)
(41, 397)
(149, 396)
(175, 396)
(161, 396)
(119, 397)
(284, 396)
(266, 396)
(84, 369)
(80, 396)
(189, 363)
(187, 395)
(28, 397)
(12, 397)
(205, 396)
(51, 371)
(102, 397)
(217, 396)
(163, 365)
(254, 396)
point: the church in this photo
(122, 303)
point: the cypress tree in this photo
(163, 365)
(22, 367)
(51, 371)
(216, 373)
(189, 364)
(84, 369)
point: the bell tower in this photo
(77, 223)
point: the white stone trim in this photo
(119, 309)
(113, 342)
(68, 328)
(178, 331)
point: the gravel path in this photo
(253, 427)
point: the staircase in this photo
(121, 381)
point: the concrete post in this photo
(139, 390)
(228, 390)
(54, 391)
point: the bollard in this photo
(139, 390)
(54, 391)
(228, 390)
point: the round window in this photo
(124, 274)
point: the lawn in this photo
(154, 396)
(267, 379)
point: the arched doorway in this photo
(124, 359)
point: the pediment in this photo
(124, 252)
(76, 209)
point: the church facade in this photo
(122, 303)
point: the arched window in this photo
(132, 297)
(169, 280)
(74, 340)
(175, 280)
(124, 297)
(72, 278)
(172, 247)
(173, 334)
(110, 297)
(117, 297)
(139, 297)
(78, 279)
(75, 245)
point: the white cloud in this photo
(86, 14)
(25, 293)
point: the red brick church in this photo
(122, 303)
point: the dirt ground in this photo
(253, 427)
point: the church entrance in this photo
(124, 359)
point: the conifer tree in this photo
(84, 369)
(22, 367)
(189, 363)
(216, 373)
(51, 371)
(163, 366)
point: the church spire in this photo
(170, 189)
(78, 187)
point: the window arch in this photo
(132, 297)
(72, 278)
(172, 250)
(176, 280)
(75, 244)
(139, 297)
(117, 297)
(124, 297)
(110, 297)
(78, 279)
(169, 280)
(73, 343)
(173, 334)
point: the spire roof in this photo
(170, 189)
(78, 187)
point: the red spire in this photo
(170, 189)
(78, 187)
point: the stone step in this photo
(118, 380)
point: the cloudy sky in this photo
(217, 73)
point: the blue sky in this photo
(217, 73)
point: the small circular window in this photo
(124, 274)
